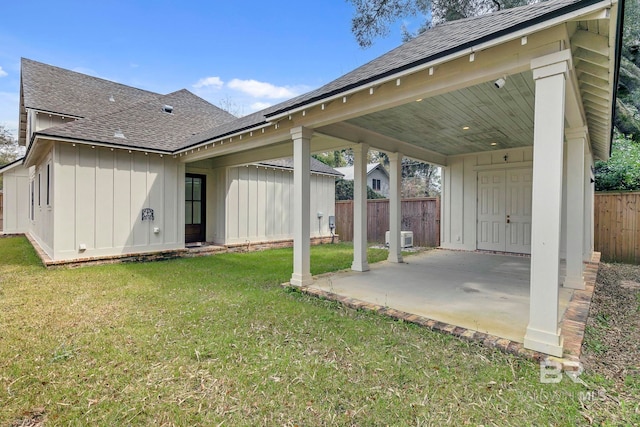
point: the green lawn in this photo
(216, 340)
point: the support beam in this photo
(302, 207)
(549, 74)
(575, 215)
(395, 214)
(360, 263)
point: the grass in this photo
(216, 340)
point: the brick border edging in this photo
(487, 340)
(575, 316)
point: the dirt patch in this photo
(34, 418)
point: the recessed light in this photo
(493, 144)
(465, 128)
(419, 100)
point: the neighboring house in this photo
(515, 106)
(377, 177)
(99, 178)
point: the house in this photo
(99, 178)
(377, 177)
(515, 106)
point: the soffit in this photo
(503, 117)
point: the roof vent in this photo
(112, 99)
(167, 109)
(119, 134)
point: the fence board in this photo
(422, 216)
(617, 226)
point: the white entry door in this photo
(504, 210)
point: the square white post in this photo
(302, 206)
(549, 73)
(360, 262)
(589, 196)
(395, 214)
(576, 147)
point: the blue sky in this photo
(249, 54)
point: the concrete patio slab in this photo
(481, 292)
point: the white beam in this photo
(381, 142)
(395, 212)
(360, 152)
(549, 73)
(302, 207)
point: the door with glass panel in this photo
(194, 208)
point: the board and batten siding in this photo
(15, 200)
(460, 192)
(104, 192)
(259, 204)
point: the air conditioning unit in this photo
(406, 239)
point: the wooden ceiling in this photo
(475, 119)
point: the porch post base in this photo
(360, 266)
(574, 283)
(300, 280)
(544, 342)
(395, 257)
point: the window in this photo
(39, 189)
(376, 184)
(48, 184)
(32, 215)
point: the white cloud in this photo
(258, 89)
(257, 106)
(3, 73)
(212, 82)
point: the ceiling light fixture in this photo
(419, 100)
(493, 144)
(465, 127)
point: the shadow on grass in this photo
(17, 251)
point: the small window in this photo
(48, 184)
(32, 216)
(39, 189)
(376, 184)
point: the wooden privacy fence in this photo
(422, 216)
(617, 226)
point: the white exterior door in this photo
(504, 210)
(518, 211)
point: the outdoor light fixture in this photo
(500, 82)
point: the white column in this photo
(302, 206)
(543, 333)
(589, 190)
(395, 214)
(360, 263)
(576, 147)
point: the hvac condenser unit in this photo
(406, 239)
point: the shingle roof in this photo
(56, 90)
(146, 125)
(440, 41)
(316, 165)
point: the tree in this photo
(344, 191)
(622, 171)
(372, 18)
(9, 149)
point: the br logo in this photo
(551, 371)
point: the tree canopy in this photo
(373, 18)
(9, 150)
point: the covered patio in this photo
(515, 106)
(475, 295)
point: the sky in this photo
(241, 55)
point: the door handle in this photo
(508, 219)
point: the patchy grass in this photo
(214, 340)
